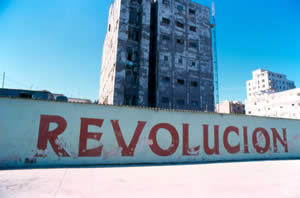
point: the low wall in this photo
(53, 134)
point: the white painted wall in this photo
(284, 104)
(21, 132)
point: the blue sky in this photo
(56, 45)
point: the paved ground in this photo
(274, 179)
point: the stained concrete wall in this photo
(132, 36)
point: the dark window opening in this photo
(179, 24)
(180, 60)
(133, 34)
(192, 12)
(165, 100)
(129, 57)
(180, 8)
(195, 103)
(180, 101)
(129, 65)
(135, 56)
(193, 28)
(165, 38)
(130, 100)
(180, 41)
(180, 82)
(109, 27)
(193, 64)
(129, 54)
(25, 95)
(166, 58)
(193, 45)
(165, 79)
(134, 16)
(194, 84)
(166, 21)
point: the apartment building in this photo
(182, 56)
(228, 107)
(267, 81)
(158, 54)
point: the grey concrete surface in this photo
(274, 179)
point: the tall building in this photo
(125, 60)
(158, 54)
(264, 81)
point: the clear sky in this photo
(56, 45)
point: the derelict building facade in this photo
(158, 53)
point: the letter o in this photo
(156, 148)
(258, 148)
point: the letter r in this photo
(45, 134)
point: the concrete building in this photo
(229, 107)
(181, 67)
(125, 60)
(265, 81)
(176, 35)
(285, 104)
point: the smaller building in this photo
(79, 100)
(22, 93)
(230, 107)
(285, 104)
(40, 95)
(264, 81)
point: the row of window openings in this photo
(280, 87)
(180, 8)
(269, 109)
(179, 81)
(180, 61)
(280, 82)
(166, 100)
(192, 44)
(280, 106)
(179, 24)
(271, 74)
(258, 87)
